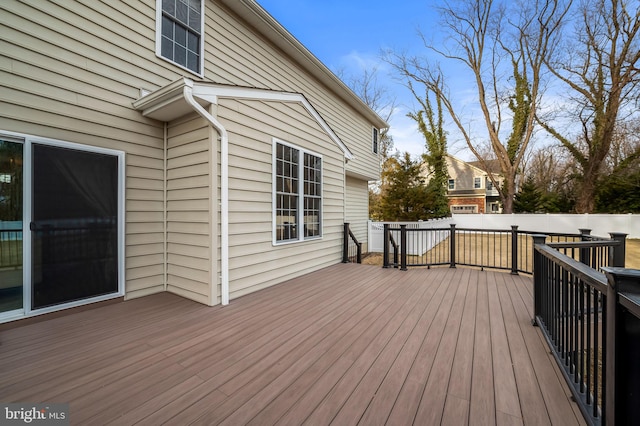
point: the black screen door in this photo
(74, 225)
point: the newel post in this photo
(345, 244)
(385, 245)
(514, 249)
(622, 369)
(538, 277)
(619, 252)
(452, 246)
(403, 247)
(585, 253)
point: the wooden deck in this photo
(350, 344)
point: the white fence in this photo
(417, 246)
(600, 224)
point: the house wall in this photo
(254, 262)
(191, 207)
(70, 71)
(357, 209)
(237, 55)
(464, 174)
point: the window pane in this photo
(193, 42)
(180, 55)
(167, 48)
(194, 20)
(181, 36)
(182, 12)
(169, 6)
(193, 61)
(167, 28)
(11, 241)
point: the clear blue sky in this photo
(349, 35)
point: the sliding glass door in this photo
(74, 225)
(61, 225)
(11, 207)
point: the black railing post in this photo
(622, 370)
(385, 246)
(538, 277)
(359, 252)
(403, 249)
(617, 253)
(585, 253)
(452, 246)
(345, 244)
(514, 249)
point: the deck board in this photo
(349, 344)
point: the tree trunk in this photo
(586, 198)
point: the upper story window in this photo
(489, 185)
(297, 194)
(179, 36)
(477, 183)
(375, 141)
(452, 184)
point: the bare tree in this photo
(599, 66)
(505, 51)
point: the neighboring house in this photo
(469, 188)
(189, 146)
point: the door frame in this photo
(28, 141)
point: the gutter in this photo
(224, 187)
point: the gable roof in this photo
(263, 22)
(493, 166)
(168, 102)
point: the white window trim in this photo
(28, 141)
(479, 180)
(159, 39)
(449, 184)
(274, 202)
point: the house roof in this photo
(493, 166)
(168, 102)
(263, 22)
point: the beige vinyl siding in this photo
(236, 54)
(189, 193)
(357, 209)
(254, 262)
(70, 71)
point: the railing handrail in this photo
(588, 275)
(490, 248)
(350, 236)
(580, 244)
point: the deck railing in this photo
(352, 248)
(592, 324)
(10, 248)
(506, 249)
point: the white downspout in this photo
(224, 196)
(165, 215)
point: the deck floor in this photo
(349, 344)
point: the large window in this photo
(297, 194)
(180, 33)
